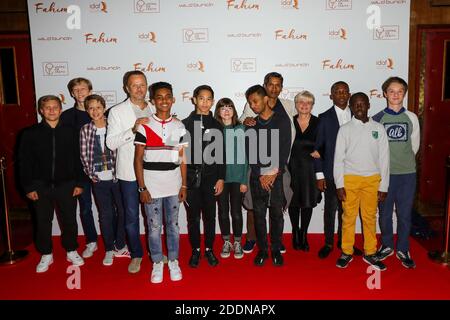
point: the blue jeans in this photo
(169, 207)
(110, 208)
(86, 216)
(402, 188)
(130, 197)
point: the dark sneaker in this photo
(260, 258)
(374, 262)
(384, 252)
(212, 260)
(406, 260)
(195, 258)
(248, 246)
(344, 260)
(277, 258)
(325, 251)
(282, 248)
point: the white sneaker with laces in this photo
(108, 259)
(74, 257)
(122, 253)
(157, 272)
(46, 261)
(175, 271)
(90, 248)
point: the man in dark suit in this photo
(329, 123)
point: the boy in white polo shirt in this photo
(361, 174)
(161, 176)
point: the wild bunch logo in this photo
(328, 64)
(290, 4)
(147, 37)
(243, 65)
(99, 7)
(292, 65)
(245, 35)
(290, 92)
(109, 96)
(338, 4)
(241, 5)
(195, 35)
(338, 34)
(54, 68)
(387, 33)
(52, 8)
(102, 38)
(103, 68)
(374, 93)
(198, 66)
(54, 38)
(380, 2)
(291, 34)
(385, 64)
(150, 67)
(146, 6)
(206, 4)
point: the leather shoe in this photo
(260, 258)
(277, 258)
(212, 260)
(325, 251)
(195, 258)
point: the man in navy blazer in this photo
(329, 124)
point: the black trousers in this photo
(274, 201)
(201, 202)
(231, 196)
(332, 204)
(60, 198)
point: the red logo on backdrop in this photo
(281, 34)
(52, 8)
(101, 38)
(196, 66)
(150, 67)
(99, 7)
(375, 94)
(147, 36)
(328, 64)
(241, 5)
(385, 64)
(338, 34)
(290, 4)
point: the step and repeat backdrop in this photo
(227, 44)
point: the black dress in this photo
(301, 166)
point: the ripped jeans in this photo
(168, 206)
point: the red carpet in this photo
(304, 277)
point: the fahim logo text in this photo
(195, 35)
(328, 64)
(186, 96)
(146, 6)
(243, 65)
(55, 68)
(150, 67)
(241, 5)
(52, 8)
(102, 38)
(338, 4)
(281, 34)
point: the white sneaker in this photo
(122, 253)
(74, 257)
(90, 248)
(108, 259)
(46, 261)
(157, 272)
(175, 271)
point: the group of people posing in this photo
(276, 157)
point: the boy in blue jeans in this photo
(402, 127)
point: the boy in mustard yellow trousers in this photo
(361, 174)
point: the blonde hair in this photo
(305, 95)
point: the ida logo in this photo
(146, 6)
(147, 37)
(62, 97)
(52, 8)
(243, 65)
(387, 33)
(290, 4)
(99, 7)
(385, 64)
(195, 35)
(241, 5)
(291, 34)
(289, 93)
(338, 34)
(102, 38)
(397, 132)
(109, 96)
(198, 66)
(374, 93)
(55, 68)
(338, 4)
(328, 64)
(150, 67)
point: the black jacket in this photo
(49, 157)
(215, 170)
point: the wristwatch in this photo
(142, 189)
